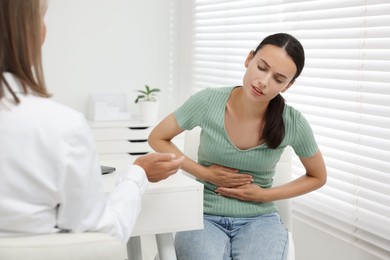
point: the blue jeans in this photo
(224, 238)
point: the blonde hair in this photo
(20, 45)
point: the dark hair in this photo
(273, 131)
(20, 45)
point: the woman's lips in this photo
(257, 91)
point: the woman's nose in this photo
(263, 81)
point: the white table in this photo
(171, 205)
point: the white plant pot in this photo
(148, 111)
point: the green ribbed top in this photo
(206, 109)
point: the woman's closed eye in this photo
(279, 81)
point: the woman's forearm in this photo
(189, 165)
(314, 178)
(297, 187)
(160, 139)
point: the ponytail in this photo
(273, 130)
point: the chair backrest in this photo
(282, 172)
(63, 246)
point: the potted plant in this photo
(148, 103)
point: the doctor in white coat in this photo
(49, 169)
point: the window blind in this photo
(344, 92)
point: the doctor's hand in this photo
(247, 192)
(159, 166)
(226, 177)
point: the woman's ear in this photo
(249, 58)
(288, 86)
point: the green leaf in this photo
(154, 90)
(147, 94)
(147, 89)
(138, 98)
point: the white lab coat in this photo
(50, 177)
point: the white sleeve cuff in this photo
(134, 173)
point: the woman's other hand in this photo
(226, 177)
(247, 192)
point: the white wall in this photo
(311, 243)
(110, 46)
(184, 57)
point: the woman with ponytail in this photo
(244, 132)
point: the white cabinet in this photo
(120, 140)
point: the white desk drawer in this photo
(124, 133)
(164, 212)
(104, 147)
